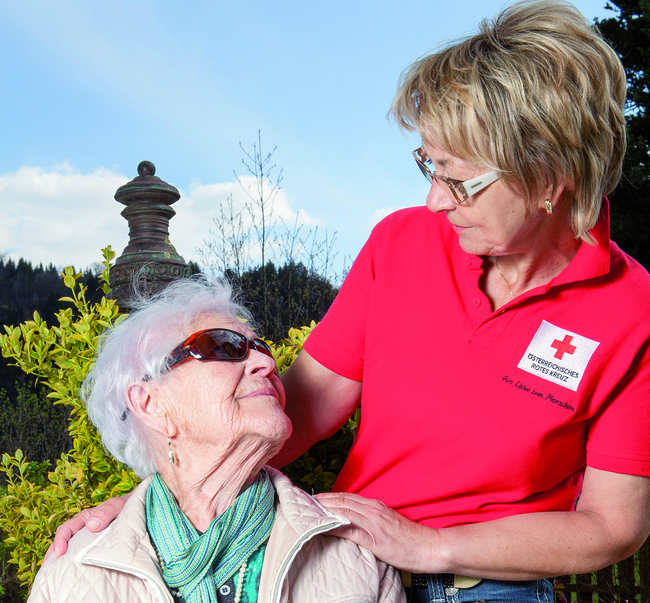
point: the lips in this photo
(263, 391)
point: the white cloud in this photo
(380, 214)
(61, 216)
(213, 195)
(196, 211)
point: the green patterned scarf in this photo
(197, 565)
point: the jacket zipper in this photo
(291, 555)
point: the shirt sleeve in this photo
(619, 434)
(338, 342)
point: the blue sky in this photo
(92, 88)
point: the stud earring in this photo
(171, 452)
(548, 206)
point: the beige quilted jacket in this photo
(301, 565)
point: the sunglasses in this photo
(460, 191)
(217, 344)
(213, 344)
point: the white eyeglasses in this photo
(460, 191)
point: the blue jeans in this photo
(488, 591)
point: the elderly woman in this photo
(183, 392)
(497, 340)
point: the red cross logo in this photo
(563, 347)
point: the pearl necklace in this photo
(240, 583)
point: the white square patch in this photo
(558, 355)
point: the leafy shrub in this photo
(36, 499)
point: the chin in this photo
(472, 248)
(287, 429)
(278, 428)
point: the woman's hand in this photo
(611, 521)
(96, 519)
(387, 534)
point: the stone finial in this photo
(149, 262)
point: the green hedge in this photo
(39, 497)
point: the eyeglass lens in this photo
(226, 345)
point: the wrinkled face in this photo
(226, 403)
(494, 221)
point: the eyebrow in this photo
(440, 162)
(445, 163)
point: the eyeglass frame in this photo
(187, 349)
(457, 188)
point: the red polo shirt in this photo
(468, 414)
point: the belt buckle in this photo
(448, 580)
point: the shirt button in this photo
(468, 261)
(225, 590)
(477, 302)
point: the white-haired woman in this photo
(184, 392)
(497, 340)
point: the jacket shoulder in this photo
(59, 578)
(67, 580)
(332, 569)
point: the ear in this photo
(143, 399)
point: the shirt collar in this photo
(591, 260)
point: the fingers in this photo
(365, 516)
(355, 534)
(378, 528)
(66, 531)
(103, 515)
(96, 520)
(340, 502)
(340, 496)
(59, 545)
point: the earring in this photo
(171, 452)
(548, 206)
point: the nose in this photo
(438, 198)
(260, 364)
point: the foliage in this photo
(24, 288)
(33, 424)
(294, 296)
(629, 34)
(38, 500)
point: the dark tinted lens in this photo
(260, 346)
(221, 345)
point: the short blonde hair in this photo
(536, 95)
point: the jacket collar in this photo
(302, 512)
(125, 544)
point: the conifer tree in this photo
(629, 34)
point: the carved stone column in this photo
(149, 262)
